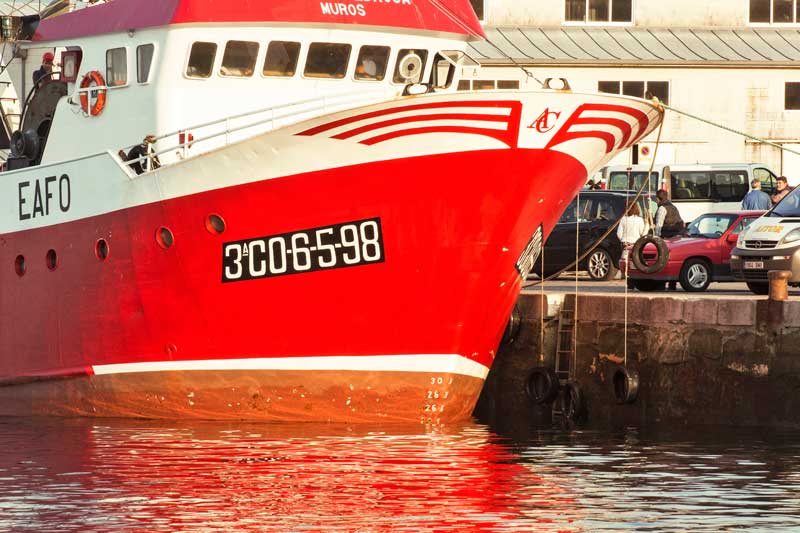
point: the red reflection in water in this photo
(212, 477)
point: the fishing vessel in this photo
(275, 210)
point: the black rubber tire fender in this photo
(542, 385)
(573, 402)
(626, 385)
(662, 254)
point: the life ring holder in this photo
(100, 102)
(662, 254)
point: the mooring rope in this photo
(728, 129)
(628, 254)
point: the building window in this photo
(327, 60)
(201, 60)
(281, 58)
(239, 59)
(792, 98)
(620, 11)
(639, 89)
(477, 5)
(116, 67)
(144, 58)
(774, 11)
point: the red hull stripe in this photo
(451, 363)
(450, 16)
(494, 134)
(421, 118)
(515, 109)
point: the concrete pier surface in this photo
(702, 358)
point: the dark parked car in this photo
(597, 211)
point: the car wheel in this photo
(758, 287)
(695, 275)
(648, 285)
(600, 266)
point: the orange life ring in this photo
(96, 78)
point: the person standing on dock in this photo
(668, 221)
(630, 229)
(782, 185)
(756, 199)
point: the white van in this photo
(695, 189)
(771, 242)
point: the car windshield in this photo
(711, 226)
(789, 206)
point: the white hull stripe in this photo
(448, 363)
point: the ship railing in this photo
(202, 138)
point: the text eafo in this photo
(40, 197)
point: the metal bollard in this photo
(779, 285)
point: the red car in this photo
(699, 258)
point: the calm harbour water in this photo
(117, 475)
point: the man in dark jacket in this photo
(668, 221)
(44, 73)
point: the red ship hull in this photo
(356, 267)
(447, 286)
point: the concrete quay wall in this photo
(700, 360)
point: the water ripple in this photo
(130, 476)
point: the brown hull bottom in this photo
(266, 395)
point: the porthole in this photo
(19, 265)
(101, 249)
(51, 259)
(215, 224)
(164, 238)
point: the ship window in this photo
(372, 62)
(443, 72)
(70, 65)
(144, 58)
(281, 58)
(463, 85)
(116, 67)
(508, 84)
(239, 59)
(201, 60)
(327, 60)
(483, 85)
(410, 66)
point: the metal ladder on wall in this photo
(565, 346)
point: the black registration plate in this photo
(310, 250)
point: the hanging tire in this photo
(512, 327)
(542, 385)
(573, 402)
(758, 287)
(600, 265)
(626, 385)
(695, 275)
(662, 254)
